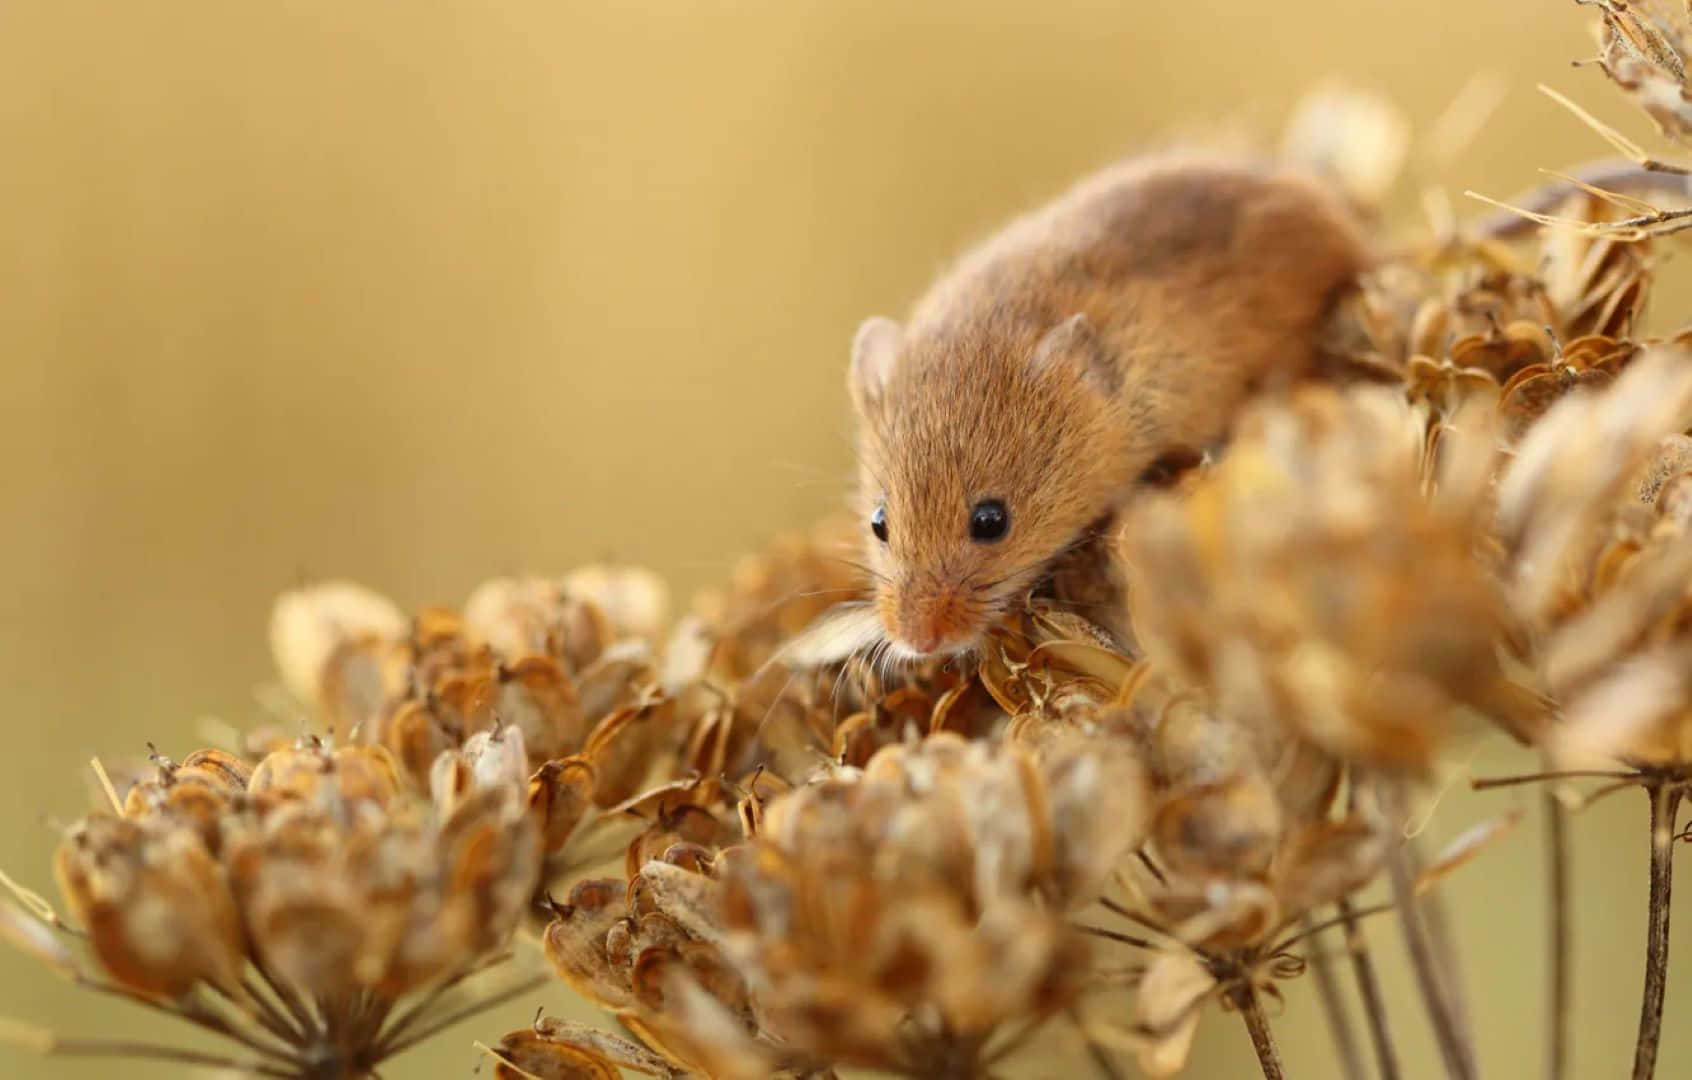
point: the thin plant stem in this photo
(290, 1000)
(1437, 915)
(440, 1024)
(199, 1016)
(1351, 914)
(96, 1048)
(1333, 1007)
(1369, 989)
(1665, 801)
(1488, 783)
(1112, 935)
(404, 1022)
(1559, 982)
(269, 1015)
(1438, 1003)
(1245, 999)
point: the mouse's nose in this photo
(926, 639)
(935, 621)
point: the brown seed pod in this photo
(158, 915)
(564, 1050)
(331, 643)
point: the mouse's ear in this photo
(875, 349)
(1072, 344)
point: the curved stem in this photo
(1665, 800)
(1257, 1025)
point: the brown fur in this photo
(1199, 278)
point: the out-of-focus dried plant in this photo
(1590, 522)
(898, 916)
(1642, 47)
(310, 909)
(1307, 585)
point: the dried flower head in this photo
(312, 910)
(897, 917)
(1642, 47)
(1307, 584)
(1593, 516)
(554, 658)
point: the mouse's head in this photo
(983, 454)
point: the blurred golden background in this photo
(422, 291)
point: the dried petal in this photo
(1166, 1009)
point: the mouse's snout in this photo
(929, 618)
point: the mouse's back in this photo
(1204, 276)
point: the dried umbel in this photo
(311, 910)
(1307, 584)
(646, 948)
(1464, 324)
(575, 666)
(1593, 515)
(1643, 46)
(894, 917)
(1242, 846)
(1227, 934)
(555, 658)
(897, 917)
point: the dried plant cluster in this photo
(1159, 786)
(310, 907)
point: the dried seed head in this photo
(1308, 585)
(537, 617)
(155, 905)
(912, 885)
(635, 600)
(316, 875)
(331, 644)
(1643, 45)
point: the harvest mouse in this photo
(1066, 360)
(1039, 379)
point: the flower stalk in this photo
(1369, 989)
(1665, 802)
(1441, 1009)
(1559, 984)
(1334, 1009)
(1245, 998)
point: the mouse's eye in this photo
(989, 521)
(878, 523)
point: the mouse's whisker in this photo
(814, 593)
(818, 644)
(764, 720)
(869, 571)
(839, 684)
(887, 660)
(1030, 570)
